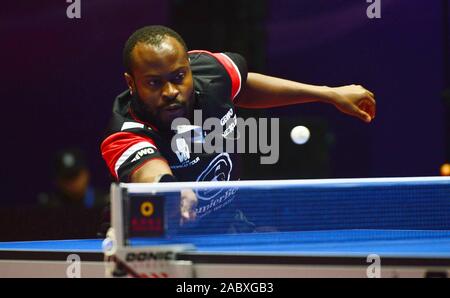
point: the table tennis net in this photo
(308, 205)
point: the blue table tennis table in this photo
(305, 228)
(339, 253)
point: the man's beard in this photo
(153, 117)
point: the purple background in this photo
(59, 78)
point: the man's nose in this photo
(169, 91)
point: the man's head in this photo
(158, 73)
(71, 174)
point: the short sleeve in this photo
(233, 66)
(126, 152)
(240, 63)
(236, 67)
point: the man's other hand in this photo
(188, 204)
(354, 100)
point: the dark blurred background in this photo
(60, 76)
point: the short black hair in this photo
(152, 35)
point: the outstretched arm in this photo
(263, 91)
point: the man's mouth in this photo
(174, 110)
(174, 106)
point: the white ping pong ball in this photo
(300, 135)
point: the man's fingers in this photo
(365, 117)
(371, 98)
(187, 216)
(371, 110)
(358, 102)
(370, 93)
(188, 204)
(368, 105)
(361, 114)
(188, 212)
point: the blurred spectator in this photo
(71, 178)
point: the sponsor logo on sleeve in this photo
(143, 152)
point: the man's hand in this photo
(187, 205)
(354, 100)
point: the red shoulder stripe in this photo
(230, 67)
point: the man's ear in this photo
(130, 83)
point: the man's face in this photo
(161, 79)
(74, 187)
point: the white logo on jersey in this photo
(130, 125)
(219, 169)
(186, 164)
(211, 200)
(227, 117)
(182, 153)
(140, 153)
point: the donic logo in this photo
(219, 169)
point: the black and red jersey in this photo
(131, 141)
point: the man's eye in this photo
(154, 83)
(180, 76)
